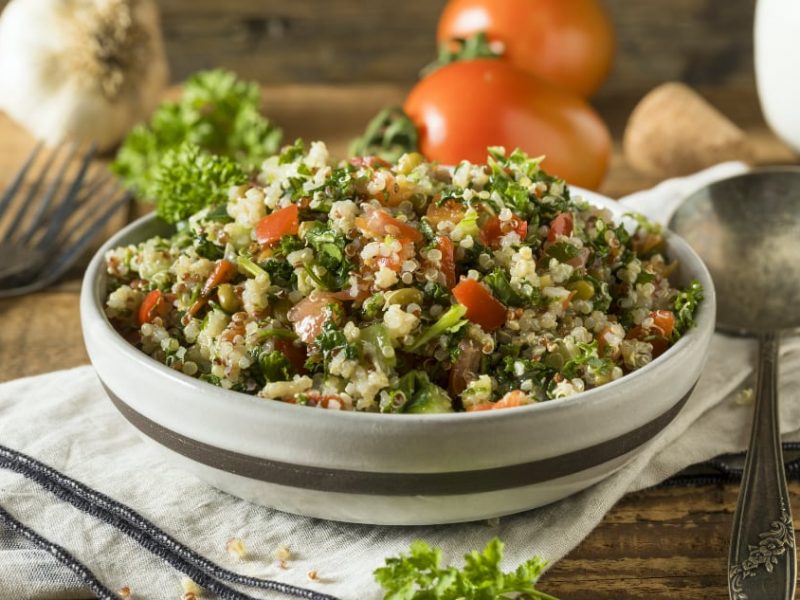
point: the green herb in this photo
(287, 245)
(426, 229)
(514, 370)
(249, 267)
(563, 251)
(206, 248)
(587, 359)
(275, 366)
(685, 307)
(373, 306)
(188, 180)
(329, 247)
(420, 575)
(469, 48)
(436, 293)
(498, 281)
(449, 322)
(217, 113)
(281, 273)
(389, 135)
(421, 395)
(331, 340)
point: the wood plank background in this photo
(702, 42)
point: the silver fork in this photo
(50, 225)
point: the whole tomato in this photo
(569, 43)
(465, 106)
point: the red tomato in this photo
(512, 399)
(450, 211)
(284, 221)
(482, 308)
(309, 315)
(466, 106)
(154, 305)
(494, 229)
(658, 334)
(569, 43)
(664, 320)
(379, 223)
(445, 246)
(562, 224)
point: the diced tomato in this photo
(510, 400)
(664, 320)
(482, 308)
(448, 269)
(296, 355)
(154, 305)
(284, 221)
(309, 315)
(369, 161)
(562, 224)
(658, 334)
(222, 273)
(450, 211)
(494, 229)
(379, 223)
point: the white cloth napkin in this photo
(65, 420)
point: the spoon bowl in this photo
(747, 231)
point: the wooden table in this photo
(660, 543)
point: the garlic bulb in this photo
(81, 69)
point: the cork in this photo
(675, 131)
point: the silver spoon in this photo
(747, 230)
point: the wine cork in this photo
(675, 131)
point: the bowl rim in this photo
(92, 308)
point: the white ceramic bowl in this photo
(385, 468)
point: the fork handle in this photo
(761, 563)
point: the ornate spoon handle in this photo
(761, 563)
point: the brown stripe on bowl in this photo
(397, 484)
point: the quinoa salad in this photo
(401, 288)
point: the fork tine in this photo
(47, 200)
(22, 210)
(62, 212)
(93, 186)
(84, 214)
(76, 248)
(12, 187)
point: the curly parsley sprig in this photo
(420, 575)
(217, 114)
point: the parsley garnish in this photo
(420, 575)
(188, 179)
(217, 113)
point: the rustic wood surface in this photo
(661, 543)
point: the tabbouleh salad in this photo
(401, 288)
